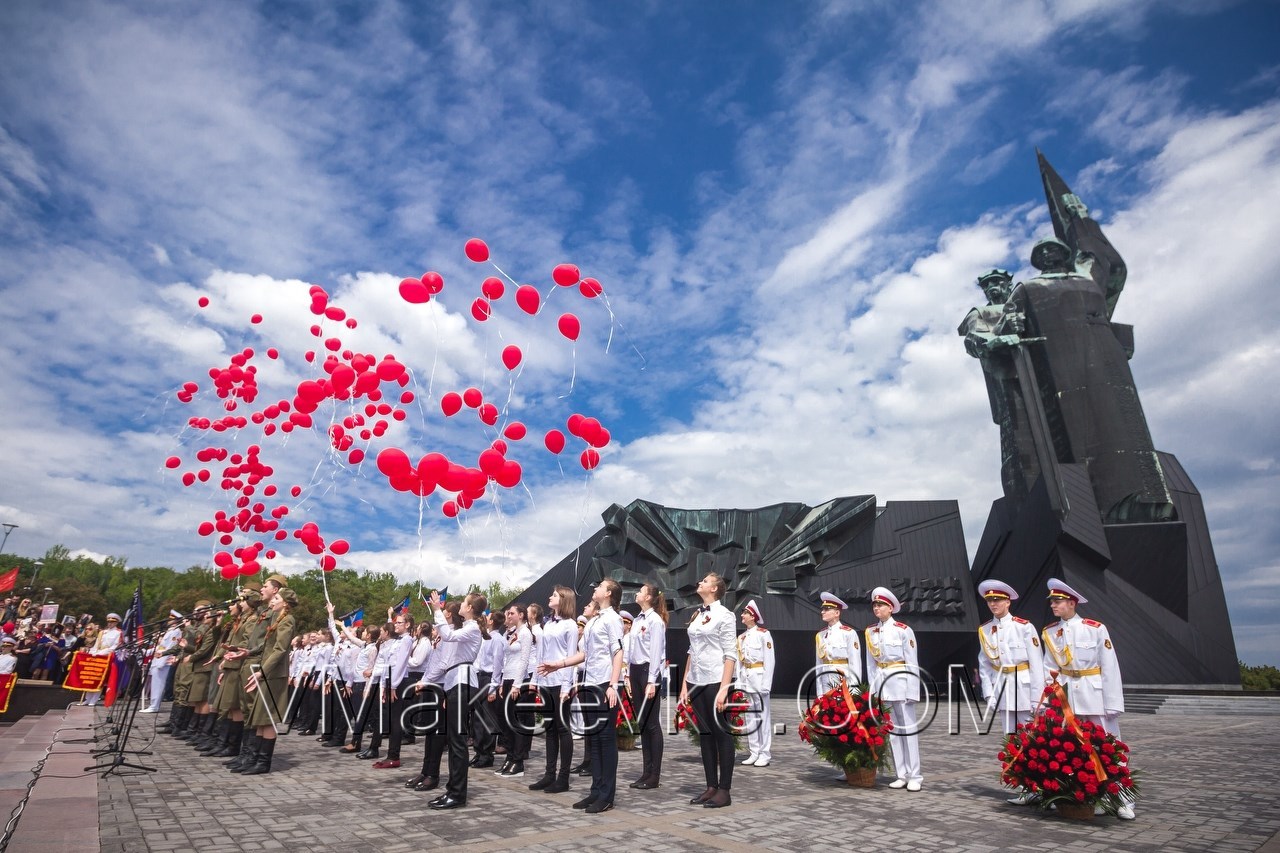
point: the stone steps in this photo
(61, 811)
(1202, 705)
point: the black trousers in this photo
(601, 724)
(397, 711)
(484, 719)
(714, 736)
(517, 723)
(457, 729)
(559, 739)
(651, 741)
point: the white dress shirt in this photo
(711, 642)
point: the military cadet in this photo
(755, 673)
(184, 728)
(201, 652)
(836, 648)
(270, 681)
(646, 658)
(251, 659)
(215, 731)
(895, 678)
(166, 650)
(1010, 664)
(179, 711)
(230, 675)
(1078, 654)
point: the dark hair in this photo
(453, 609)
(498, 620)
(718, 580)
(425, 629)
(479, 604)
(615, 592)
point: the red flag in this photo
(8, 580)
(113, 678)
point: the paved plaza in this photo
(1208, 782)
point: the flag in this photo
(8, 580)
(354, 619)
(133, 622)
(120, 675)
(404, 605)
(444, 596)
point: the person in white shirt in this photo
(393, 688)
(510, 674)
(708, 672)
(601, 661)
(376, 708)
(836, 651)
(1078, 654)
(646, 663)
(462, 645)
(559, 640)
(106, 644)
(755, 673)
(892, 660)
(361, 672)
(484, 722)
(165, 654)
(8, 660)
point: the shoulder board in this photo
(1020, 620)
(1092, 623)
(901, 624)
(1052, 625)
(873, 626)
(762, 629)
(844, 627)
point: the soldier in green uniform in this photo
(181, 678)
(255, 629)
(230, 683)
(201, 653)
(184, 725)
(270, 681)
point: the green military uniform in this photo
(206, 646)
(232, 681)
(182, 678)
(255, 631)
(273, 678)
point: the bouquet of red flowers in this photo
(848, 728)
(736, 703)
(627, 722)
(1067, 760)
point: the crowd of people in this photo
(469, 683)
(42, 651)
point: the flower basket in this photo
(848, 728)
(860, 777)
(1075, 811)
(687, 721)
(626, 742)
(1072, 764)
(628, 726)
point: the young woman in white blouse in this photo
(461, 645)
(708, 672)
(559, 640)
(511, 667)
(647, 655)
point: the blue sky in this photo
(786, 204)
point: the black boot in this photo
(248, 749)
(261, 761)
(194, 722)
(214, 730)
(180, 720)
(167, 726)
(219, 740)
(231, 746)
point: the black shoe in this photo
(556, 787)
(583, 803)
(583, 769)
(428, 784)
(513, 771)
(482, 761)
(503, 769)
(719, 801)
(413, 783)
(599, 806)
(703, 797)
(368, 753)
(543, 783)
(446, 802)
(331, 744)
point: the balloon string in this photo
(324, 582)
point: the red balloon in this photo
(172, 462)
(188, 478)
(488, 413)
(480, 309)
(205, 528)
(295, 491)
(328, 563)
(450, 509)
(491, 462)
(527, 298)
(510, 474)
(340, 546)
(433, 282)
(433, 467)
(554, 440)
(414, 291)
(566, 275)
(511, 357)
(493, 288)
(472, 397)
(500, 446)
(590, 458)
(252, 567)
(476, 250)
(222, 558)
(450, 403)
(203, 302)
(590, 288)
(574, 423)
(515, 431)
(393, 461)
(256, 319)
(355, 457)
(569, 326)
(272, 352)
(229, 572)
